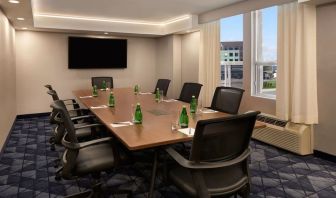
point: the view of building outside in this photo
(232, 51)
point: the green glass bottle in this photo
(94, 91)
(157, 95)
(184, 120)
(193, 105)
(138, 115)
(104, 85)
(111, 101)
(136, 89)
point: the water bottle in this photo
(111, 101)
(193, 105)
(104, 85)
(138, 115)
(184, 120)
(94, 91)
(157, 95)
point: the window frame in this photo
(256, 64)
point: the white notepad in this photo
(99, 107)
(170, 100)
(145, 93)
(85, 96)
(122, 124)
(188, 131)
(208, 111)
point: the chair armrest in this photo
(68, 104)
(76, 146)
(205, 165)
(82, 117)
(87, 126)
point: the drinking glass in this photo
(199, 106)
(108, 85)
(175, 121)
(161, 96)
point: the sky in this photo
(232, 30)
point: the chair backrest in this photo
(227, 99)
(70, 155)
(189, 90)
(48, 87)
(98, 81)
(53, 94)
(163, 85)
(222, 139)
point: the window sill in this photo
(264, 96)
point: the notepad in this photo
(145, 93)
(99, 107)
(208, 111)
(188, 131)
(85, 96)
(122, 124)
(170, 100)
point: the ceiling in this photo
(144, 17)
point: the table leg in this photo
(152, 183)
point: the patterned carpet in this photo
(26, 170)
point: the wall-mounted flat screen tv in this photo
(89, 53)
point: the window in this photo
(231, 35)
(264, 59)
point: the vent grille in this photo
(271, 120)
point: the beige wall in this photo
(325, 131)
(7, 77)
(190, 57)
(177, 60)
(42, 59)
(250, 102)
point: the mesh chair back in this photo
(48, 87)
(227, 99)
(98, 81)
(53, 94)
(163, 85)
(70, 155)
(222, 139)
(189, 90)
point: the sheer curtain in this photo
(209, 63)
(296, 79)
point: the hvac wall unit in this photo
(293, 137)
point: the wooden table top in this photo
(155, 129)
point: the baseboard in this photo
(32, 115)
(325, 156)
(7, 138)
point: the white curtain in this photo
(296, 76)
(209, 63)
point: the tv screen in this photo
(85, 53)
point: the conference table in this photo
(158, 117)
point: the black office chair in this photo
(189, 90)
(98, 81)
(227, 99)
(218, 162)
(163, 85)
(86, 158)
(48, 87)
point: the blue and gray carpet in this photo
(27, 170)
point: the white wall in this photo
(7, 77)
(42, 58)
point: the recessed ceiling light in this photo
(20, 19)
(106, 33)
(24, 28)
(13, 1)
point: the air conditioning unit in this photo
(293, 137)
